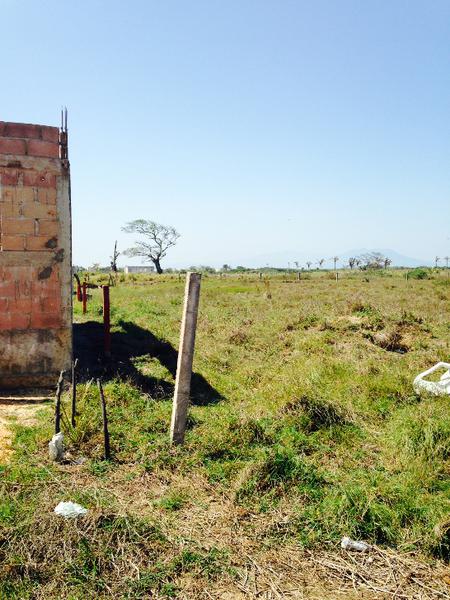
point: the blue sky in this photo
(253, 127)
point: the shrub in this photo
(419, 273)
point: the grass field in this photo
(304, 427)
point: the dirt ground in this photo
(17, 408)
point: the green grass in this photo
(308, 420)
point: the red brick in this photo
(12, 146)
(50, 134)
(45, 321)
(14, 320)
(13, 242)
(5, 274)
(17, 226)
(20, 305)
(9, 176)
(47, 227)
(47, 195)
(8, 194)
(40, 243)
(50, 304)
(36, 210)
(22, 130)
(8, 289)
(6, 210)
(44, 149)
(41, 179)
(4, 304)
(45, 287)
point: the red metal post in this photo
(107, 320)
(79, 295)
(84, 297)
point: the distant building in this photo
(140, 269)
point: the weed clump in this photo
(392, 341)
(319, 413)
(279, 470)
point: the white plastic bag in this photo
(70, 510)
(348, 544)
(437, 388)
(56, 447)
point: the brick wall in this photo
(35, 255)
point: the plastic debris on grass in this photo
(70, 510)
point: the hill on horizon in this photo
(288, 258)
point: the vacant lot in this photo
(304, 428)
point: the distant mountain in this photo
(288, 257)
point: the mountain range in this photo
(288, 258)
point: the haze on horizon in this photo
(252, 127)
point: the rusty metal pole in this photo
(84, 297)
(185, 358)
(106, 321)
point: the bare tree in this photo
(372, 260)
(387, 262)
(436, 260)
(296, 263)
(351, 262)
(308, 264)
(157, 240)
(335, 259)
(320, 262)
(446, 258)
(114, 258)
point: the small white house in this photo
(139, 269)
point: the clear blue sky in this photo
(251, 126)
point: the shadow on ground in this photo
(127, 347)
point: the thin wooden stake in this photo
(105, 421)
(106, 321)
(74, 392)
(185, 358)
(59, 389)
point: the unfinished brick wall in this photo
(35, 255)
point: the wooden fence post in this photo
(185, 358)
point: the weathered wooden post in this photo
(337, 276)
(298, 276)
(185, 358)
